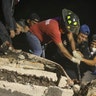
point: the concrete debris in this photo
(25, 74)
(21, 56)
(57, 91)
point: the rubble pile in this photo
(24, 74)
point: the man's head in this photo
(83, 33)
(71, 21)
(33, 19)
(85, 29)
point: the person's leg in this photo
(34, 44)
(4, 35)
(8, 14)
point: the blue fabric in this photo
(94, 73)
(34, 43)
(85, 29)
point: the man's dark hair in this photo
(34, 16)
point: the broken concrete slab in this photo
(38, 75)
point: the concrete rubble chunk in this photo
(57, 91)
(25, 74)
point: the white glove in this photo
(77, 55)
(75, 60)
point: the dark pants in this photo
(4, 36)
(8, 11)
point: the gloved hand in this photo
(77, 55)
(75, 60)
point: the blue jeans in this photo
(35, 45)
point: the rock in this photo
(21, 57)
(57, 91)
(89, 89)
(76, 88)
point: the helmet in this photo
(71, 21)
(85, 29)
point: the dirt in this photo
(11, 76)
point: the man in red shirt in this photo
(51, 30)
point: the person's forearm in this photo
(89, 62)
(64, 51)
(73, 44)
(67, 54)
(72, 41)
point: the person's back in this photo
(47, 30)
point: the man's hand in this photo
(26, 29)
(12, 33)
(77, 54)
(75, 60)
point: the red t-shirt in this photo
(46, 31)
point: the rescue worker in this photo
(81, 41)
(51, 30)
(82, 44)
(23, 25)
(90, 73)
